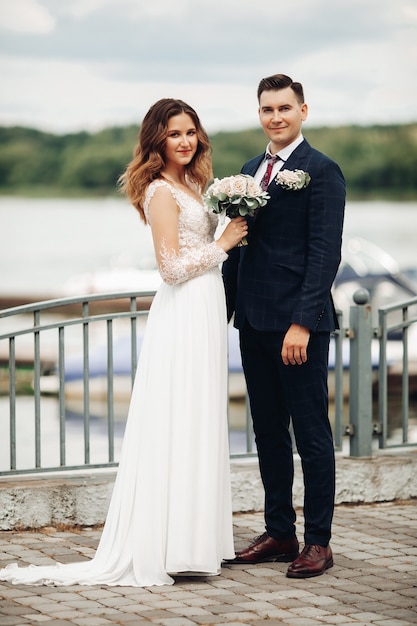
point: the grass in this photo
(24, 380)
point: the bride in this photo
(170, 513)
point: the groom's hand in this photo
(294, 346)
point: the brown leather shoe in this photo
(265, 549)
(313, 561)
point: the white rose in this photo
(239, 186)
(291, 177)
(253, 189)
(215, 187)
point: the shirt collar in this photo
(285, 153)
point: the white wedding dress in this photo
(170, 512)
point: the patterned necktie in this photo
(266, 177)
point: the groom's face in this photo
(281, 116)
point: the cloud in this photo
(25, 16)
(105, 61)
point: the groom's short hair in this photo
(281, 81)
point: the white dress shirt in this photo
(284, 155)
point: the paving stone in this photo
(64, 613)
(174, 621)
(411, 591)
(209, 620)
(9, 608)
(403, 614)
(302, 621)
(191, 611)
(92, 621)
(394, 622)
(335, 620)
(372, 583)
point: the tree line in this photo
(378, 161)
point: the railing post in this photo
(360, 375)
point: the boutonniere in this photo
(293, 180)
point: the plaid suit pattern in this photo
(283, 277)
(287, 270)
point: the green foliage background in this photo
(378, 161)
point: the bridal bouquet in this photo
(235, 195)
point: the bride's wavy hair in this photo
(149, 153)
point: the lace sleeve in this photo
(189, 263)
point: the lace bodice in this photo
(198, 252)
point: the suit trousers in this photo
(280, 394)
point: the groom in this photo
(279, 290)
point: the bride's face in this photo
(182, 141)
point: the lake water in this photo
(44, 243)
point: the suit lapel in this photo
(296, 160)
(297, 157)
(252, 166)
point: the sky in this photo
(70, 65)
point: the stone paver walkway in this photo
(373, 582)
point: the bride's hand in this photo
(233, 233)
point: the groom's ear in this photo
(304, 111)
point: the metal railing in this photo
(41, 338)
(47, 318)
(396, 321)
(395, 318)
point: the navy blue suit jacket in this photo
(285, 274)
